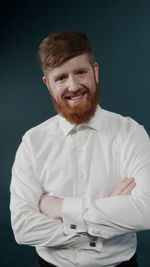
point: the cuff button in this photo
(92, 244)
(73, 226)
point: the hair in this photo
(62, 45)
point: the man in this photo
(80, 184)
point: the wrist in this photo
(51, 206)
(60, 203)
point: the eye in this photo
(61, 79)
(81, 72)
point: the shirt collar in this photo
(94, 123)
(96, 120)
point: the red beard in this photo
(79, 112)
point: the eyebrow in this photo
(60, 75)
(82, 68)
(65, 73)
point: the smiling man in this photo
(80, 181)
(73, 86)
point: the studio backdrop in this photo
(120, 34)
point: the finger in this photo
(117, 190)
(128, 189)
(124, 179)
(123, 184)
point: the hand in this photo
(51, 206)
(125, 187)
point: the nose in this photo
(73, 84)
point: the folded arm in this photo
(117, 215)
(29, 225)
(51, 206)
(120, 213)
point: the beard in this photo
(79, 112)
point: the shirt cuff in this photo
(72, 214)
(87, 242)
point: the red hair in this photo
(60, 46)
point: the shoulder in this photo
(117, 122)
(121, 128)
(124, 130)
(40, 132)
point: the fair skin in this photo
(73, 75)
(52, 206)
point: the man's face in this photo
(73, 87)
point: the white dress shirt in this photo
(82, 164)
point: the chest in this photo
(81, 164)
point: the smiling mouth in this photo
(74, 98)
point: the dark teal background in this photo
(120, 34)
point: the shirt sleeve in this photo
(117, 215)
(29, 225)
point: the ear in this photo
(45, 80)
(96, 71)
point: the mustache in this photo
(68, 94)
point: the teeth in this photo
(76, 97)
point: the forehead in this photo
(81, 61)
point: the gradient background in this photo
(120, 34)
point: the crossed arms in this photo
(118, 214)
(52, 206)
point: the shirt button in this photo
(82, 176)
(73, 226)
(92, 244)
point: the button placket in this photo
(81, 137)
(82, 176)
